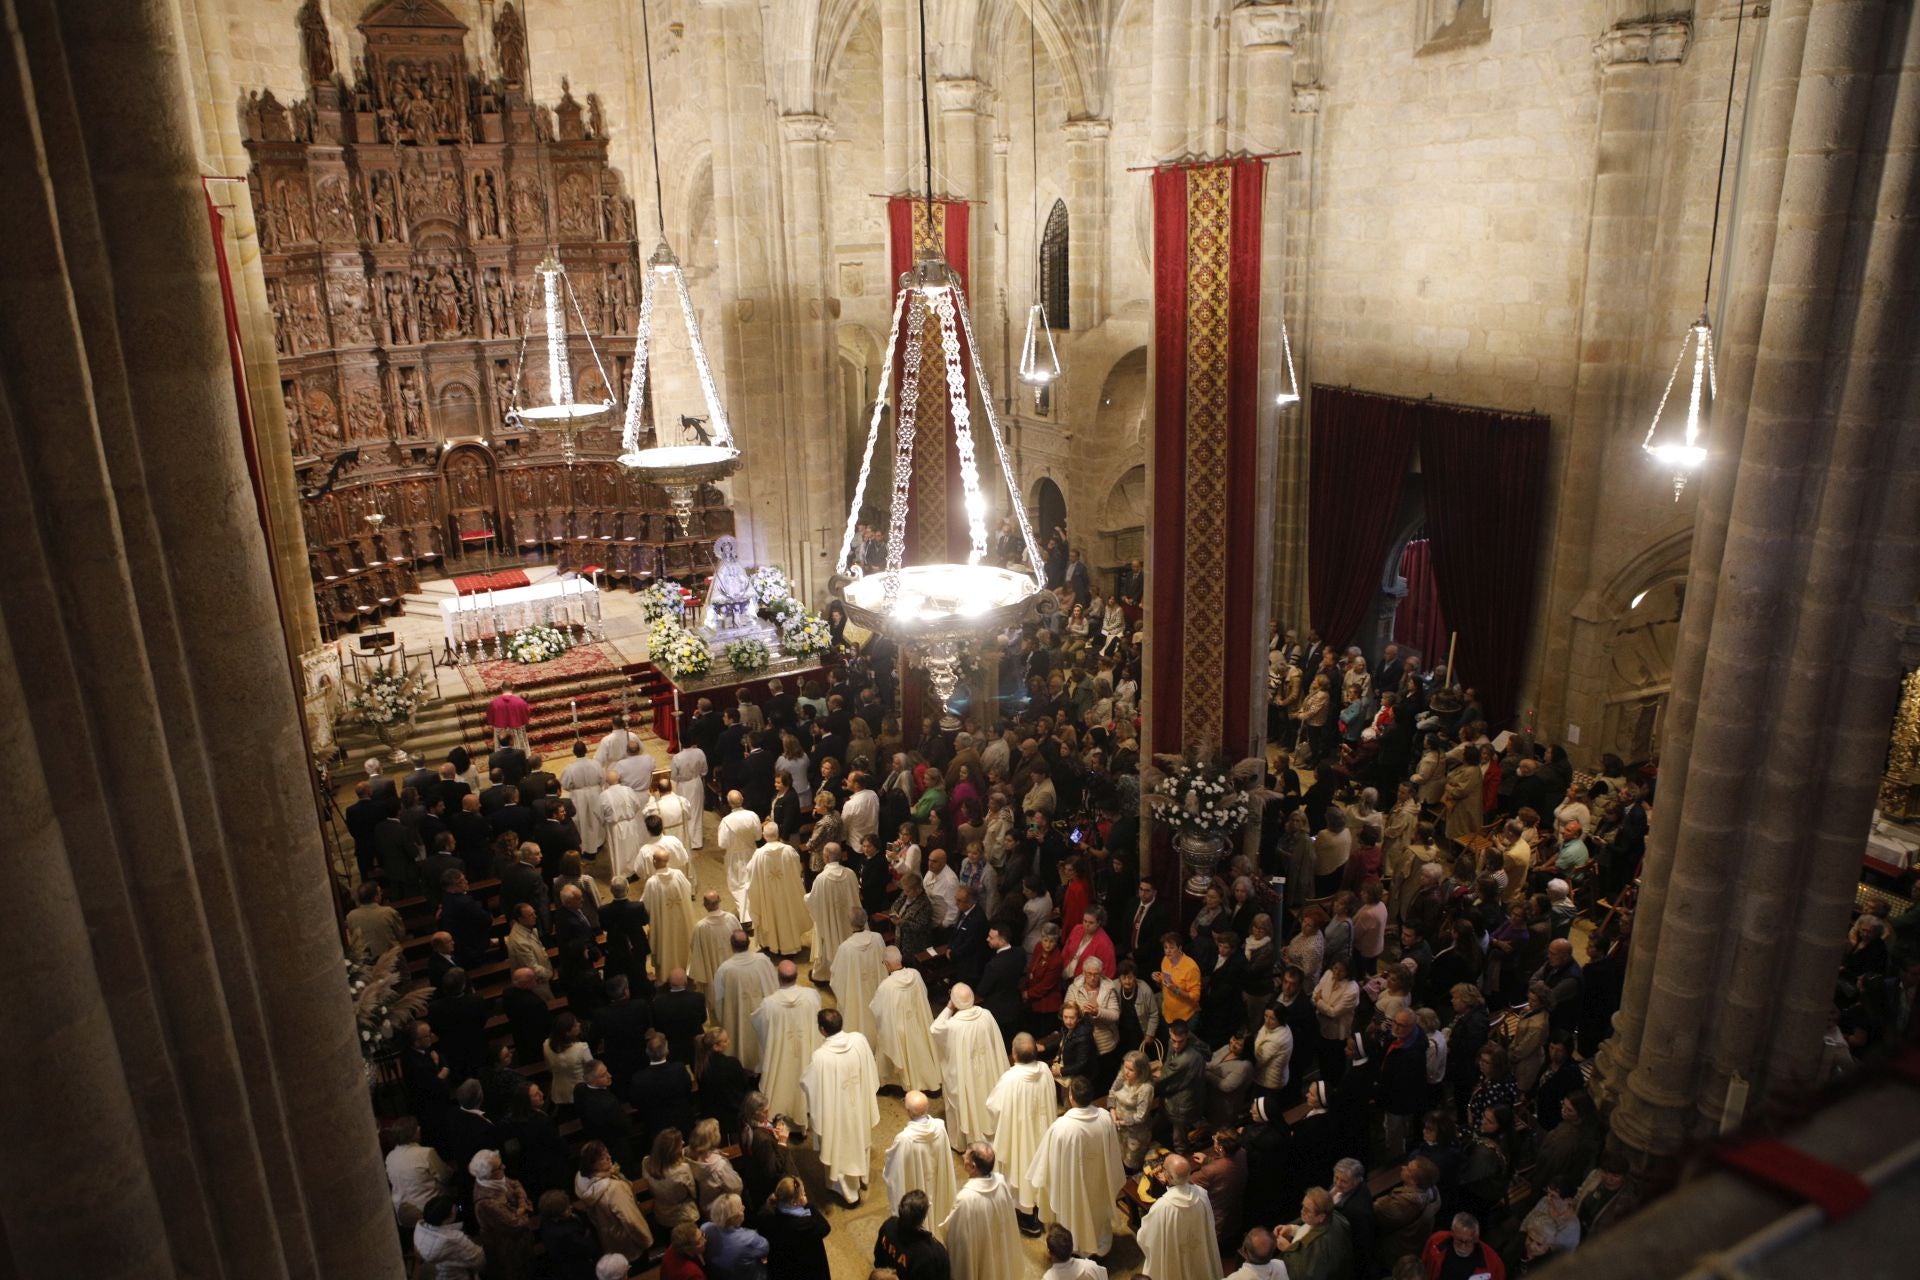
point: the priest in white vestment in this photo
(972, 1054)
(788, 1034)
(1062, 1265)
(920, 1159)
(581, 782)
(1022, 1109)
(613, 748)
(619, 808)
(738, 836)
(690, 784)
(712, 943)
(982, 1232)
(775, 881)
(1260, 1258)
(1076, 1174)
(743, 980)
(1177, 1234)
(843, 1096)
(669, 900)
(831, 902)
(859, 967)
(903, 1027)
(663, 801)
(659, 840)
(636, 767)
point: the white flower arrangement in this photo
(804, 634)
(537, 643)
(748, 655)
(770, 586)
(680, 651)
(1201, 796)
(662, 601)
(382, 1004)
(388, 696)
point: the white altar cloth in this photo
(557, 600)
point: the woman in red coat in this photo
(686, 1258)
(1077, 894)
(1045, 987)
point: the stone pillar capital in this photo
(962, 96)
(806, 127)
(1087, 129)
(1307, 99)
(1658, 42)
(1267, 24)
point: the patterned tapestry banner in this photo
(936, 530)
(1202, 636)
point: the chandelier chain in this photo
(1000, 451)
(716, 412)
(653, 119)
(1726, 131)
(637, 387)
(873, 440)
(903, 436)
(962, 425)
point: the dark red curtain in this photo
(950, 225)
(1419, 623)
(1485, 472)
(1360, 448)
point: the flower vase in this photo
(1200, 853)
(393, 735)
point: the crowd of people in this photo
(1377, 1016)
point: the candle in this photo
(573, 705)
(1451, 645)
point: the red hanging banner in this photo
(936, 530)
(1206, 297)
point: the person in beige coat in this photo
(526, 949)
(1461, 800)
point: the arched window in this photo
(1053, 268)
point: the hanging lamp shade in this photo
(562, 413)
(1039, 362)
(937, 610)
(1673, 439)
(1289, 390)
(708, 453)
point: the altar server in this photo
(619, 811)
(582, 781)
(690, 784)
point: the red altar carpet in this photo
(502, 580)
(935, 529)
(1206, 298)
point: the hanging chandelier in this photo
(937, 611)
(709, 454)
(1678, 449)
(562, 414)
(1039, 362)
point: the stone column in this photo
(182, 960)
(1087, 209)
(1800, 596)
(1291, 436)
(966, 110)
(999, 359)
(900, 95)
(1168, 131)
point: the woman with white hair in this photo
(1131, 1102)
(734, 1250)
(505, 1217)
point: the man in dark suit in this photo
(1353, 1200)
(680, 1014)
(968, 947)
(758, 786)
(662, 1092)
(1149, 920)
(570, 922)
(469, 923)
(495, 795)
(527, 1016)
(728, 743)
(399, 854)
(472, 836)
(555, 833)
(420, 778)
(513, 816)
(440, 961)
(433, 871)
(522, 882)
(625, 921)
(779, 706)
(468, 1129)
(512, 763)
(449, 788)
(1000, 982)
(459, 1015)
(704, 726)
(604, 1116)
(427, 1083)
(362, 817)
(620, 1030)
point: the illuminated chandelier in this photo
(937, 610)
(1039, 362)
(1290, 393)
(562, 414)
(680, 469)
(1678, 448)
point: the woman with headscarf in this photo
(505, 1217)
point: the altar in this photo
(674, 699)
(560, 602)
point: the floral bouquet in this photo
(536, 643)
(662, 600)
(388, 696)
(770, 586)
(749, 655)
(804, 634)
(1203, 796)
(382, 1004)
(680, 651)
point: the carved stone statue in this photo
(498, 325)
(510, 45)
(413, 413)
(315, 43)
(730, 595)
(486, 205)
(296, 425)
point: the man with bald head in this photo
(920, 1159)
(744, 979)
(775, 884)
(711, 941)
(738, 836)
(1177, 1234)
(971, 1053)
(831, 902)
(787, 1026)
